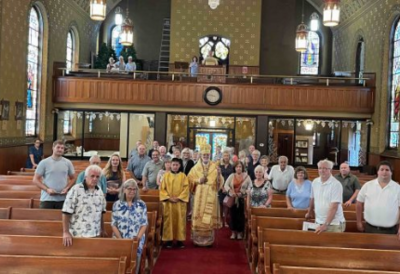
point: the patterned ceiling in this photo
(348, 7)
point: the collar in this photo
(327, 182)
(86, 187)
(388, 185)
(174, 172)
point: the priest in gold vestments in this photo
(174, 194)
(205, 180)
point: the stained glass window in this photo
(395, 90)
(219, 45)
(309, 62)
(70, 50)
(115, 44)
(33, 73)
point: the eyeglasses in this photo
(131, 189)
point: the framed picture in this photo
(19, 110)
(5, 110)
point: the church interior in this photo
(308, 79)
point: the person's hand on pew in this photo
(67, 239)
(360, 226)
(347, 204)
(321, 228)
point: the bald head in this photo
(344, 169)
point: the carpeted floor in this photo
(226, 256)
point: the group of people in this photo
(210, 60)
(121, 65)
(209, 190)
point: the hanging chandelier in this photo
(126, 36)
(302, 35)
(118, 16)
(98, 10)
(331, 13)
(314, 22)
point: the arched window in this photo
(360, 59)
(70, 50)
(35, 41)
(309, 60)
(220, 46)
(395, 88)
(115, 44)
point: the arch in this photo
(310, 59)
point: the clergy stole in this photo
(174, 214)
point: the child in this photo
(174, 193)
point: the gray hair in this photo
(327, 162)
(283, 158)
(94, 157)
(93, 168)
(256, 151)
(259, 168)
(125, 185)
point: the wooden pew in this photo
(16, 187)
(330, 257)
(5, 213)
(17, 182)
(20, 194)
(279, 269)
(81, 247)
(67, 265)
(16, 203)
(44, 214)
(16, 177)
(258, 222)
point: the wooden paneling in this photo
(238, 70)
(12, 158)
(350, 99)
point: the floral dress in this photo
(129, 220)
(259, 195)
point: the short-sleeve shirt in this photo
(299, 195)
(350, 184)
(281, 179)
(381, 205)
(86, 208)
(130, 66)
(324, 195)
(55, 175)
(129, 220)
(151, 170)
(137, 164)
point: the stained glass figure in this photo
(309, 62)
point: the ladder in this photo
(163, 61)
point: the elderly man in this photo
(351, 185)
(55, 172)
(205, 179)
(379, 199)
(150, 171)
(155, 147)
(94, 160)
(135, 150)
(136, 164)
(163, 153)
(84, 208)
(281, 175)
(326, 200)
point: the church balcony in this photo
(257, 93)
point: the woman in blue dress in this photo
(299, 190)
(35, 155)
(194, 67)
(129, 216)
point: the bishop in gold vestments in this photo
(205, 181)
(174, 194)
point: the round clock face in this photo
(213, 96)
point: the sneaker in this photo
(168, 244)
(240, 236)
(180, 244)
(233, 236)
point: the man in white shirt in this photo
(281, 175)
(379, 199)
(326, 200)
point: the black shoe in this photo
(168, 244)
(180, 244)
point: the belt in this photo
(382, 228)
(279, 189)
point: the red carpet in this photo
(226, 256)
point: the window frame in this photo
(71, 59)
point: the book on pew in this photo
(307, 226)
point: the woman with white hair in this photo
(260, 191)
(129, 216)
(187, 162)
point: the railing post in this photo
(173, 77)
(134, 75)
(251, 80)
(63, 72)
(291, 81)
(364, 83)
(327, 82)
(98, 74)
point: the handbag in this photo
(228, 201)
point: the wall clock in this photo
(213, 96)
